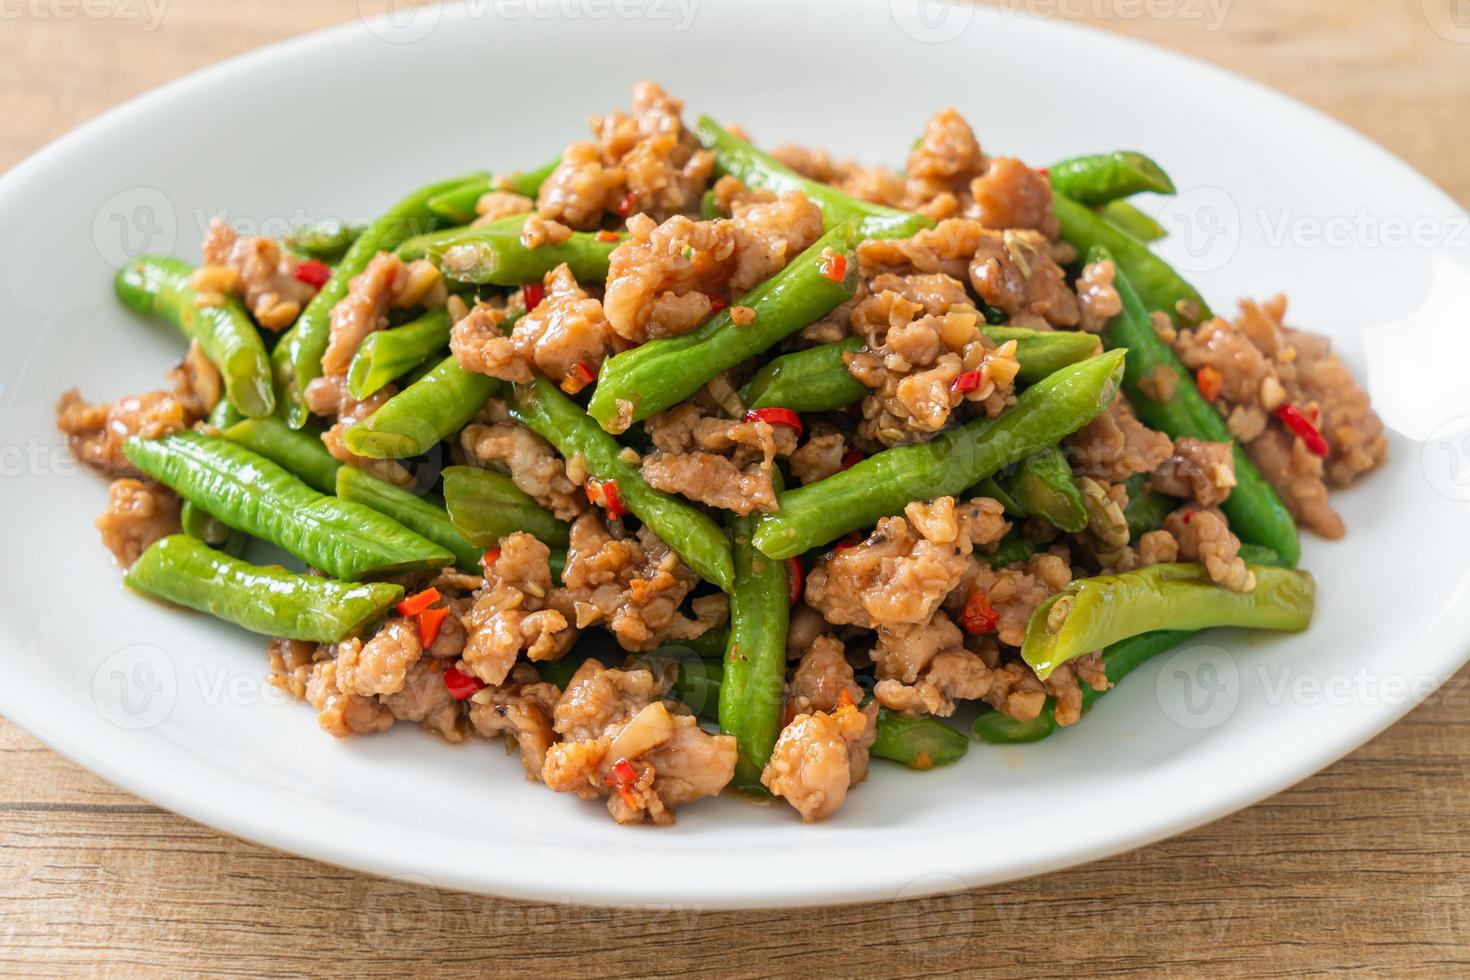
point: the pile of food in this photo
(687, 467)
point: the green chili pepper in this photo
(919, 742)
(252, 494)
(542, 408)
(1043, 486)
(300, 451)
(1133, 222)
(1102, 177)
(423, 515)
(387, 354)
(661, 373)
(326, 240)
(1101, 610)
(160, 287)
(884, 483)
(1255, 511)
(458, 206)
(273, 601)
(486, 506)
(418, 417)
(495, 254)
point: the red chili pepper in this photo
(848, 541)
(461, 685)
(851, 458)
(978, 617)
(626, 205)
(968, 381)
(607, 236)
(775, 416)
(313, 272)
(533, 293)
(429, 622)
(1043, 171)
(833, 267)
(623, 774)
(1304, 430)
(605, 494)
(1209, 382)
(796, 578)
(716, 303)
(580, 376)
(489, 558)
(629, 800)
(416, 604)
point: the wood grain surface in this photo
(1362, 868)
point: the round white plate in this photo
(1273, 197)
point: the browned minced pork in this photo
(921, 336)
(512, 614)
(926, 669)
(1115, 445)
(387, 282)
(819, 756)
(95, 433)
(1198, 470)
(495, 205)
(612, 722)
(539, 231)
(720, 462)
(942, 165)
(641, 163)
(1097, 300)
(565, 330)
(1204, 536)
(632, 586)
(327, 396)
(197, 382)
(907, 566)
(137, 515)
(820, 456)
(820, 678)
(1264, 364)
(256, 269)
(342, 715)
(520, 708)
(380, 665)
(1016, 692)
(290, 664)
(530, 462)
(1010, 194)
(1016, 590)
(424, 699)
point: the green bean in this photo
(197, 524)
(495, 254)
(754, 677)
(1158, 285)
(661, 373)
(300, 451)
(811, 380)
(711, 644)
(991, 487)
(414, 420)
(736, 157)
(919, 742)
(1102, 177)
(423, 515)
(224, 415)
(1255, 512)
(1146, 508)
(709, 207)
(297, 358)
(1044, 352)
(486, 506)
(1091, 613)
(386, 354)
(542, 408)
(957, 459)
(325, 240)
(460, 206)
(160, 287)
(1012, 548)
(252, 494)
(419, 246)
(1128, 219)
(273, 601)
(1043, 486)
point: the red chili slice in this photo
(848, 541)
(626, 205)
(978, 617)
(1303, 429)
(461, 685)
(533, 293)
(416, 604)
(313, 272)
(775, 416)
(605, 494)
(796, 578)
(851, 458)
(489, 558)
(607, 236)
(833, 267)
(429, 622)
(716, 303)
(968, 381)
(623, 774)
(579, 377)
(1209, 382)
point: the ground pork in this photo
(137, 515)
(821, 676)
(951, 675)
(521, 709)
(819, 757)
(1204, 536)
(1015, 590)
(719, 462)
(530, 462)
(512, 614)
(820, 456)
(1010, 194)
(1200, 471)
(1016, 692)
(197, 382)
(328, 397)
(258, 270)
(386, 283)
(380, 665)
(1115, 445)
(290, 665)
(95, 433)
(1097, 300)
(495, 205)
(424, 698)
(342, 715)
(565, 337)
(643, 162)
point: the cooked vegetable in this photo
(418, 417)
(496, 254)
(457, 206)
(1131, 221)
(298, 450)
(325, 240)
(1043, 486)
(919, 742)
(424, 515)
(486, 506)
(1102, 177)
(387, 354)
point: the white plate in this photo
(171, 706)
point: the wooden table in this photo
(1363, 867)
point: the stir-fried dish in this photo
(687, 466)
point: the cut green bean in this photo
(542, 408)
(325, 240)
(272, 601)
(1102, 177)
(161, 287)
(424, 515)
(1044, 352)
(418, 417)
(387, 354)
(661, 373)
(886, 482)
(197, 524)
(252, 494)
(1043, 486)
(919, 742)
(811, 380)
(486, 506)
(495, 254)
(224, 415)
(300, 451)
(1146, 508)
(460, 205)
(1012, 548)
(1128, 219)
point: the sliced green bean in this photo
(297, 358)
(811, 380)
(919, 742)
(1043, 486)
(991, 487)
(460, 206)
(1146, 508)
(1128, 219)
(387, 354)
(1255, 511)
(542, 408)
(197, 524)
(300, 451)
(886, 482)
(1044, 352)
(486, 506)
(661, 373)
(224, 415)
(1012, 548)
(754, 678)
(326, 240)
(418, 417)
(1091, 613)
(423, 515)
(160, 287)
(252, 494)
(273, 601)
(495, 255)
(1102, 177)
